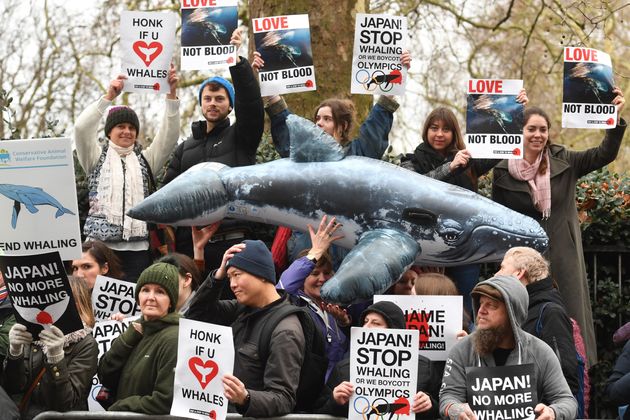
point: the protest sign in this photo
(146, 41)
(436, 318)
(379, 41)
(384, 372)
(104, 333)
(204, 354)
(111, 296)
(38, 198)
(494, 119)
(284, 43)
(40, 292)
(587, 89)
(505, 392)
(207, 27)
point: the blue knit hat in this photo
(223, 82)
(255, 259)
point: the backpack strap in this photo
(270, 324)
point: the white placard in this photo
(587, 89)
(284, 43)
(207, 27)
(204, 354)
(494, 119)
(38, 198)
(437, 319)
(147, 40)
(384, 372)
(379, 41)
(111, 296)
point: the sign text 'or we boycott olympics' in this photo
(207, 27)
(205, 353)
(587, 89)
(437, 319)
(40, 292)
(494, 119)
(379, 41)
(384, 372)
(284, 43)
(504, 392)
(105, 332)
(147, 40)
(111, 296)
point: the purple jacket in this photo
(292, 281)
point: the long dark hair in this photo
(102, 254)
(343, 113)
(530, 112)
(450, 120)
(185, 265)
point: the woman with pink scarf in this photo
(542, 186)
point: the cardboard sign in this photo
(284, 43)
(111, 296)
(384, 372)
(147, 40)
(104, 333)
(504, 392)
(207, 28)
(587, 89)
(40, 292)
(38, 198)
(379, 41)
(436, 318)
(204, 354)
(494, 119)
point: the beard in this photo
(486, 340)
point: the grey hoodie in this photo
(552, 388)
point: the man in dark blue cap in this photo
(259, 387)
(214, 139)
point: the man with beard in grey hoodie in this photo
(500, 306)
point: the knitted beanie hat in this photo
(392, 314)
(165, 275)
(255, 259)
(121, 114)
(223, 82)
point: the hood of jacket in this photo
(516, 301)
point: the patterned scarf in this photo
(113, 182)
(539, 184)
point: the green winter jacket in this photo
(139, 368)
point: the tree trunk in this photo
(332, 38)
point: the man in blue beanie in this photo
(214, 139)
(258, 388)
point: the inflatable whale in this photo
(391, 217)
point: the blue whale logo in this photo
(391, 217)
(30, 197)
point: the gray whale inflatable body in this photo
(391, 217)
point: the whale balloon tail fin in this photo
(371, 267)
(195, 198)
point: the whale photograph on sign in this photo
(391, 217)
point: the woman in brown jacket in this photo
(542, 186)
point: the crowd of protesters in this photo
(54, 371)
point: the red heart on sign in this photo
(203, 371)
(147, 53)
(230, 60)
(213, 415)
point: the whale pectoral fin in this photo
(374, 264)
(16, 211)
(28, 203)
(309, 143)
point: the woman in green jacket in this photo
(139, 367)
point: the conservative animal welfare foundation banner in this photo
(40, 292)
(110, 296)
(207, 27)
(494, 119)
(588, 89)
(38, 198)
(436, 318)
(284, 43)
(105, 332)
(379, 41)
(147, 40)
(205, 352)
(383, 371)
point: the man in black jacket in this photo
(214, 139)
